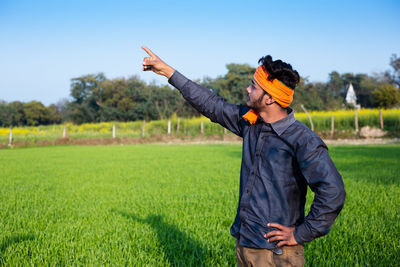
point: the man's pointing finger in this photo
(148, 51)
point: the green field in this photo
(172, 205)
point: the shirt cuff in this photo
(302, 234)
(177, 80)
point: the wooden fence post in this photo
(169, 127)
(143, 127)
(113, 133)
(332, 125)
(309, 117)
(356, 121)
(225, 131)
(10, 138)
(202, 127)
(381, 118)
(177, 125)
(64, 132)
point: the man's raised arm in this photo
(202, 99)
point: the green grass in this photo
(172, 205)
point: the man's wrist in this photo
(301, 234)
(168, 72)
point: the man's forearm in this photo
(325, 181)
(201, 98)
(208, 103)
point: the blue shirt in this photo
(279, 161)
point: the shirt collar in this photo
(280, 126)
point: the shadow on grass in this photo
(371, 164)
(237, 154)
(9, 241)
(179, 248)
(382, 152)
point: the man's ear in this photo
(269, 100)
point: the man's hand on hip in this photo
(284, 235)
(154, 63)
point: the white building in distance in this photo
(351, 97)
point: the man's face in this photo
(255, 97)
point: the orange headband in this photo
(279, 91)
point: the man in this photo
(280, 158)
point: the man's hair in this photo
(281, 71)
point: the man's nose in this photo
(248, 89)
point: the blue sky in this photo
(43, 44)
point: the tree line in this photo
(94, 98)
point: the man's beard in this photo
(255, 105)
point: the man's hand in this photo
(155, 64)
(285, 235)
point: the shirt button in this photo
(257, 154)
(248, 191)
(252, 172)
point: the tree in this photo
(337, 85)
(307, 94)
(17, 115)
(5, 114)
(363, 86)
(232, 86)
(140, 95)
(394, 74)
(54, 115)
(35, 113)
(163, 101)
(62, 108)
(386, 96)
(86, 93)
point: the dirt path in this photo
(367, 141)
(370, 141)
(229, 139)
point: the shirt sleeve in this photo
(327, 185)
(207, 103)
